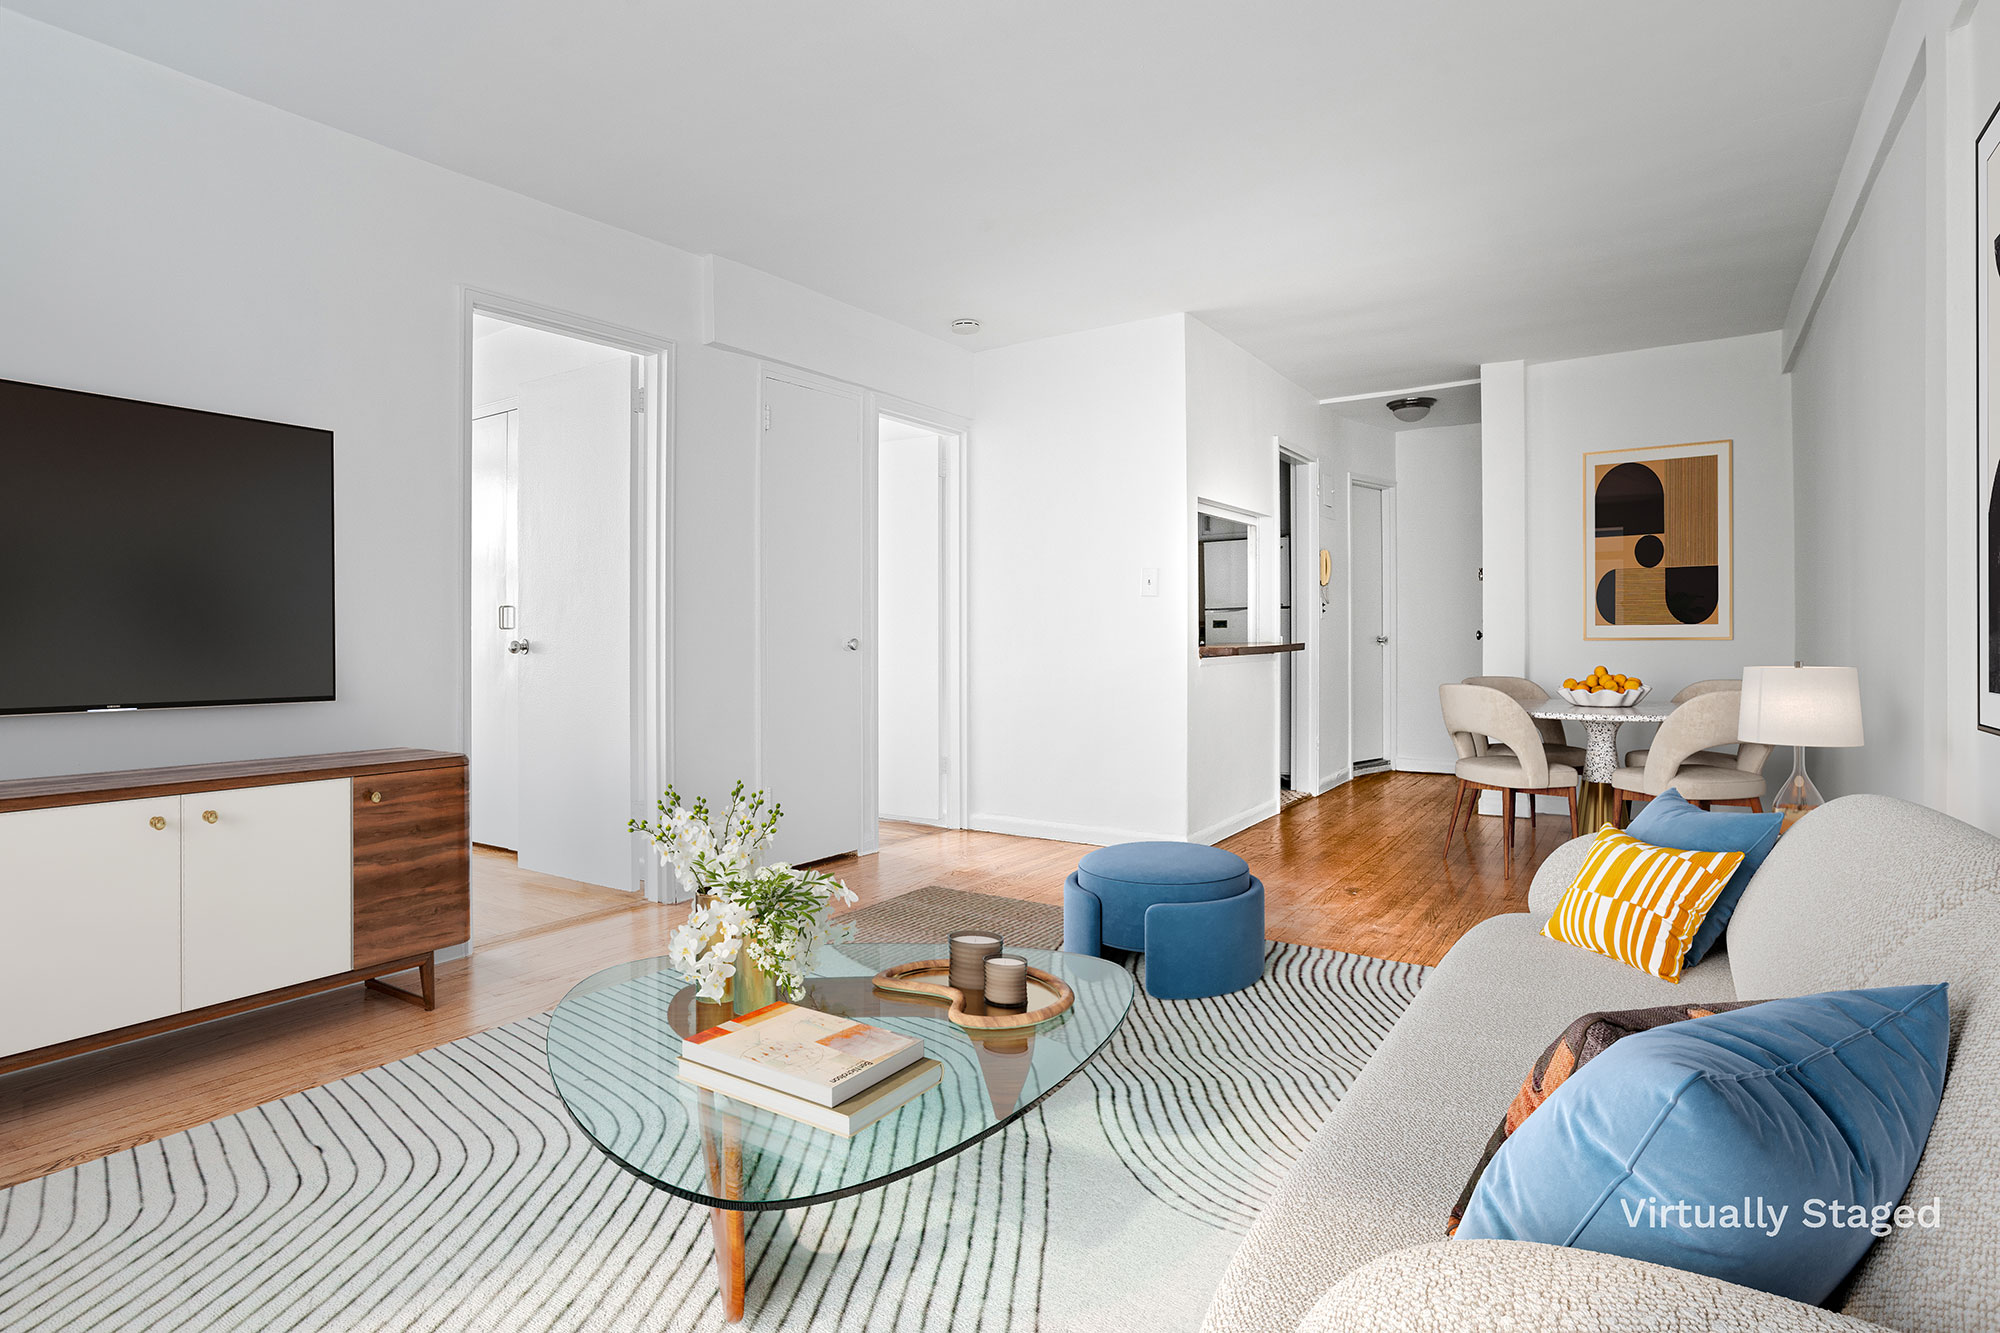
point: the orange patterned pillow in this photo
(1639, 903)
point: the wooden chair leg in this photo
(1575, 817)
(1508, 801)
(1756, 805)
(1451, 834)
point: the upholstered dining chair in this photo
(1713, 758)
(1523, 691)
(1472, 713)
(1674, 758)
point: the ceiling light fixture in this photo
(965, 326)
(1411, 409)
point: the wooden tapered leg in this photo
(722, 1151)
(426, 979)
(1575, 816)
(1457, 800)
(727, 1226)
(1508, 802)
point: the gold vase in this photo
(753, 986)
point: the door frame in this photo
(1305, 665)
(953, 433)
(1387, 486)
(651, 518)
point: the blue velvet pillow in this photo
(1737, 1145)
(1669, 821)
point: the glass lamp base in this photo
(1798, 797)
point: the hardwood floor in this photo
(510, 903)
(1356, 869)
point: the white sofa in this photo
(1867, 891)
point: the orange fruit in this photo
(1571, 684)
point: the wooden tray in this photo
(1047, 995)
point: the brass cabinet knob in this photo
(158, 821)
(209, 816)
(375, 798)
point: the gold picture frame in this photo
(1658, 542)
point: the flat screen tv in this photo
(160, 557)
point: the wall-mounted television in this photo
(160, 557)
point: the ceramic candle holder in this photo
(969, 951)
(1007, 981)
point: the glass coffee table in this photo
(614, 1045)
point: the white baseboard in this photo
(1236, 823)
(1417, 764)
(1489, 804)
(1336, 780)
(1095, 835)
(455, 952)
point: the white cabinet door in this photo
(266, 888)
(89, 918)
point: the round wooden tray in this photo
(1047, 995)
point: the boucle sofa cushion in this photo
(1383, 1172)
(1459, 1286)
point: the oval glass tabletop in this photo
(614, 1049)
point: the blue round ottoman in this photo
(1196, 912)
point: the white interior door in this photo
(91, 901)
(574, 682)
(809, 618)
(494, 749)
(267, 888)
(909, 678)
(1370, 627)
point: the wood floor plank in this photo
(1357, 869)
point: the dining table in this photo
(1596, 799)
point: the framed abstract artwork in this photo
(1658, 528)
(1987, 524)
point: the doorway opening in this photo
(912, 763)
(1371, 719)
(1299, 609)
(554, 638)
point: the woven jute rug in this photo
(451, 1193)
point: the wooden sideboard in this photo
(134, 903)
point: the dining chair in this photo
(1472, 713)
(1713, 758)
(1555, 743)
(1673, 760)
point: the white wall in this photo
(1238, 409)
(1860, 481)
(1884, 333)
(1731, 388)
(907, 624)
(1437, 584)
(1076, 484)
(177, 243)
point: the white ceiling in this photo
(1456, 406)
(1362, 193)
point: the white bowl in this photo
(1608, 698)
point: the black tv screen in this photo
(155, 556)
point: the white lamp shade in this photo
(1800, 705)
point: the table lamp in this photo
(1800, 706)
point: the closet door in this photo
(90, 903)
(809, 618)
(266, 889)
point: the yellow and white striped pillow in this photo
(1638, 903)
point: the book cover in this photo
(820, 1058)
(847, 1119)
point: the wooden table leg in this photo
(722, 1149)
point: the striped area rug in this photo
(451, 1193)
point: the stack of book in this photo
(827, 1071)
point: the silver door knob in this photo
(1381, 638)
(517, 645)
(852, 645)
